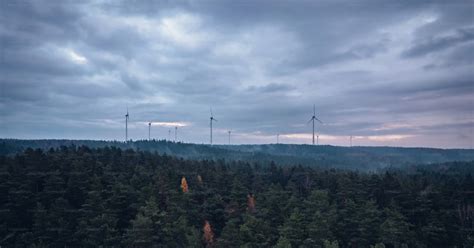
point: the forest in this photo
(358, 158)
(77, 196)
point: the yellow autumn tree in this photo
(184, 185)
(250, 203)
(208, 234)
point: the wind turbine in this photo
(313, 118)
(169, 135)
(149, 131)
(278, 138)
(210, 121)
(126, 126)
(229, 135)
(351, 140)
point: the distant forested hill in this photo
(358, 158)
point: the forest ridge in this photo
(325, 156)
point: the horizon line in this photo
(241, 144)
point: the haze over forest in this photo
(388, 73)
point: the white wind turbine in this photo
(210, 121)
(149, 131)
(313, 118)
(126, 126)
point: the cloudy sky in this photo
(396, 73)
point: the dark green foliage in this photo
(294, 229)
(108, 197)
(323, 156)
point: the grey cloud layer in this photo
(436, 44)
(372, 68)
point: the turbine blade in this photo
(318, 120)
(310, 120)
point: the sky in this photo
(388, 73)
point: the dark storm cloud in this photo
(372, 68)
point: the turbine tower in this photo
(210, 121)
(169, 135)
(149, 131)
(126, 126)
(278, 138)
(313, 118)
(229, 135)
(351, 140)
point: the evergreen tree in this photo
(141, 233)
(97, 227)
(294, 229)
(329, 244)
(230, 234)
(254, 232)
(146, 227)
(395, 230)
(283, 243)
(321, 217)
(41, 225)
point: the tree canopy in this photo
(109, 197)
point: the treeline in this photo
(323, 156)
(83, 197)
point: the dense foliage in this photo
(325, 156)
(91, 197)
